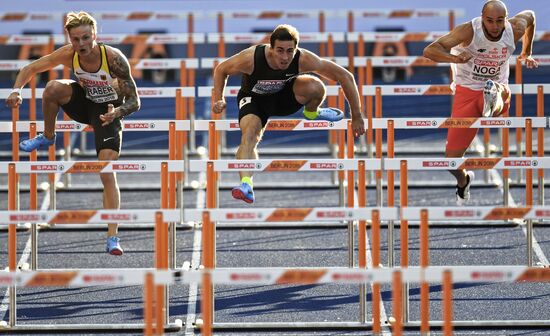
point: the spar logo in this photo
(492, 122)
(247, 277)
(5, 280)
(162, 39)
(46, 167)
(99, 278)
(542, 213)
(489, 275)
(333, 214)
(149, 92)
(241, 215)
(234, 125)
(351, 277)
(326, 165)
(438, 164)
(33, 218)
(248, 165)
(421, 123)
(520, 163)
(459, 213)
(406, 90)
(118, 217)
(139, 125)
(154, 64)
(68, 127)
(398, 61)
(128, 166)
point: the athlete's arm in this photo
(62, 55)
(242, 62)
(120, 68)
(310, 62)
(440, 49)
(524, 25)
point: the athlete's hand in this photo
(14, 99)
(219, 106)
(108, 117)
(358, 125)
(529, 61)
(463, 57)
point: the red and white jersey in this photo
(489, 59)
(98, 85)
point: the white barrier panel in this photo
(272, 14)
(275, 125)
(284, 165)
(143, 92)
(533, 88)
(416, 13)
(232, 91)
(101, 16)
(105, 216)
(274, 276)
(63, 167)
(166, 63)
(290, 214)
(423, 123)
(419, 90)
(420, 61)
(208, 62)
(469, 163)
(74, 126)
(257, 38)
(477, 213)
(395, 37)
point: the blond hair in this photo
(79, 19)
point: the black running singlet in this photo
(265, 80)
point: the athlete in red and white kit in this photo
(479, 53)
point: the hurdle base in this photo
(136, 327)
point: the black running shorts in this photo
(282, 103)
(85, 111)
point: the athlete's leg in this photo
(309, 91)
(251, 134)
(111, 192)
(56, 93)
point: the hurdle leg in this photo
(12, 241)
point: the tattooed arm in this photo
(120, 67)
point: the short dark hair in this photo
(284, 32)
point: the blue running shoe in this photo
(243, 192)
(113, 246)
(38, 141)
(328, 114)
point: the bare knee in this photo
(309, 88)
(58, 91)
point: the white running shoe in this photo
(490, 96)
(463, 194)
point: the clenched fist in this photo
(219, 106)
(108, 117)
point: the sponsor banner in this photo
(479, 163)
(458, 123)
(507, 213)
(72, 217)
(300, 277)
(285, 165)
(87, 167)
(51, 279)
(282, 125)
(289, 215)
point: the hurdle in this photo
(69, 277)
(315, 276)
(167, 170)
(403, 165)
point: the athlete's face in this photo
(283, 52)
(493, 22)
(83, 39)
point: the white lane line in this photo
(26, 252)
(195, 262)
(386, 331)
(495, 175)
